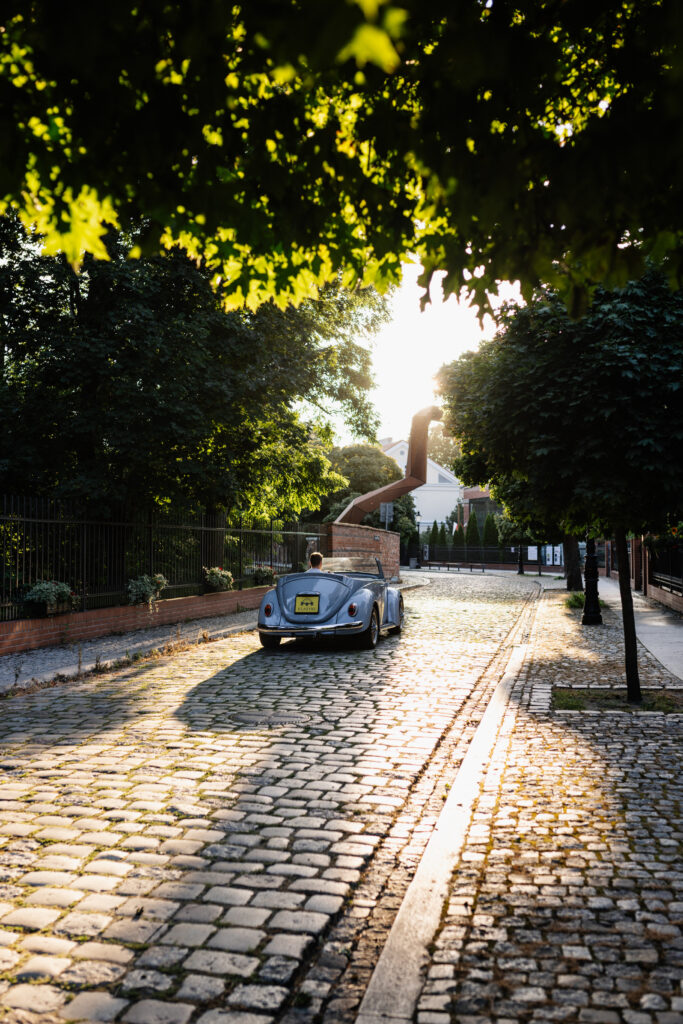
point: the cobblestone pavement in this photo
(218, 836)
(567, 903)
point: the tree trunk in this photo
(520, 559)
(572, 562)
(630, 645)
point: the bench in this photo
(457, 566)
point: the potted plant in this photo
(50, 597)
(264, 575)
(146, 589)
(217, 578)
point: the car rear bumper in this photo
(335, 629)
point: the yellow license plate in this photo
(307, 604)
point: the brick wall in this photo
(640, 578)
(349, 539)
(665, 597)
(27, 634)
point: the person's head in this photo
(316, 560)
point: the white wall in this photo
(437, 498)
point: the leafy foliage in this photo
(218, 578)
(604, 446)
(129, 384)
(282, 143)
(441, 448)
(490, 535)
(146, 589)
(472, 535)
(366, 468)
(49, 591)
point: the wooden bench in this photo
(457, 566)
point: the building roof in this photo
(396, 448)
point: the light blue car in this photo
(350, 597)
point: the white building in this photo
(437, 498)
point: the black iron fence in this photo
(549, 555)
(41, 539)
(666, 568)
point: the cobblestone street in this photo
(225, 836)
(179, 836)
(567, 903)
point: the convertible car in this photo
(349, 597)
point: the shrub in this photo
(218, 578)
(146, 589)
(49, 592)
(263, 575)
(472, 535)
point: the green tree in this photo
(459, 526)
(433, 538)
(440, 447)
(404, 518)
(490, 537)
(366, 468)
(472, 535)
(442, 538)
(603, 449)
(129, 384)
(282, 143)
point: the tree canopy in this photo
(440, 447)
(580, 423)
(366, 468)
(280, 144)
(577, 422)
(129, 384)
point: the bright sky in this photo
(410, 350)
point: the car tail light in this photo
(268, 609)
(353, 608)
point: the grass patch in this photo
(667, 701)
(577, 599)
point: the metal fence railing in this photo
(41, 539)
(666, 568)
(550, 555)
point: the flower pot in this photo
(43, 609)
(58, 608)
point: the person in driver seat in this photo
(315, 562)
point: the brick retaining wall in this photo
(350, 539)
(665, 597)
(73, 627)
(27, 634)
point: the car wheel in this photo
(269, 642)
(369, 637)
(401, 616)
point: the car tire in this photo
(367, 640)
(269, 642)
(401, 616)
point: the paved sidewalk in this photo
(657, 628)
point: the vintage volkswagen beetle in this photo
(348, 597)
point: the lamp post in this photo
(520, 560)
(417, 563)
(591, 606)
